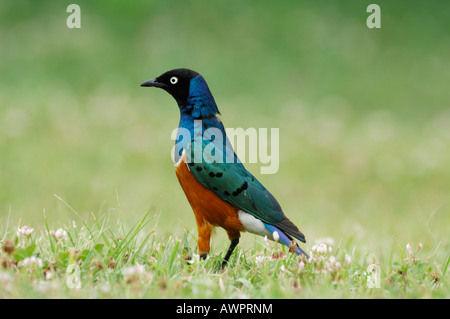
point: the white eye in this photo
(173, 80)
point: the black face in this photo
(176, 82)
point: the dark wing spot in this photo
(219, 174)
(226, 193)
(212, 174)
(239, 190)
(198, 168)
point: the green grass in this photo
(93, 260)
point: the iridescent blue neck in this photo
(200, 102)
(197, 113)
(190, 127)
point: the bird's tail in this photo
(285, 239)
(300, 252)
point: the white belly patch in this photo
(252, 224)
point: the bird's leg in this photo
(233, 245)
(204, 237)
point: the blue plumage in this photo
(200, 101)
(236, 185)
(284, 239)
(220, 170)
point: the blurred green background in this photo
(364, 114)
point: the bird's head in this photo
(189, 89)
(176, 82)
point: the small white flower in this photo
(31, 261)
(267, 240)
(301, 265)
(259, 259)
(43, 286)
(283, 268)
(322, 248)
(25, 231)
(59, 234)
(104, 288)
(48, 275)
(326, 240)
(408, 248)
(134, 270)
(6, 281)
(5, 277)
(137, 273)
(195, 258)
(419, 247)
(276, 236)
(348, 259)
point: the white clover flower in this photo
(301, 265)
(276, 236)
(5, 278)
(136, 273)
(48, 275)
(408, 248)
(104, 288)
(31, 261)
(347, 259)
(267, 240)
(259, 259)
(25, 231)
(329, 241)
(322, 248)
(59, 234)
(134, 270)
(283, 268)
(6, 281)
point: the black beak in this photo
(153, 83)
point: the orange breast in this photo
(207, 206)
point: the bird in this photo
(221, 192)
